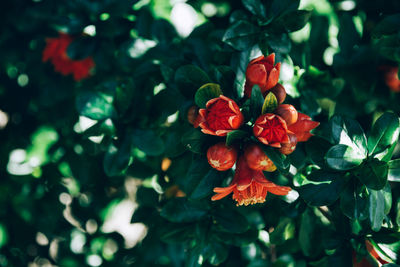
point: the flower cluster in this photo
(56, 52)
(281, 128)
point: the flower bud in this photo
(257, 160)
(288, 148)
(261, 71)
(287, 112)
(221, 157)
(279, 91)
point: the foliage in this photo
(108, 171)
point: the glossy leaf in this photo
(241, 35)
(116, 160)
(376, 209)
(270, 103)
(295, 20)
(223, 218)
(349, 132)
(207, 183)
(206, 92)
(189, 78)
(95, 105)
(394, 170)
(342, 157)
(322, 194)
(373, 173)
(384, 133)
(256, 102)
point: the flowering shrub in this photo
(199, 133)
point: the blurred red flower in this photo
(263, 72)
(271, 130)
(56, 52)
(302, 127)
(221, 116)
(249, 186)
(391, 77)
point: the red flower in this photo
(249, 186)
(391, 77)
(261, 71)
(221, 157)
(302, 127)
(271, 130)
(221, 116)
(56, 52)
(257, 160)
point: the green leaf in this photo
(280, 6)
(256, 7)
(215, 252)
(394, 170)
(224, 219)
(95, 105)
(189, 78)
(316, 148)
(322, 194)
(116, 160)
(175, 234)
(206, 92)
(342, 158)
(283, 231)
(348, 132)
(256, 102)
(324, 176)
(384, 133)
(238, 239)
(353, 204)
(376, 209)
(373, 173)
(235, 136)
(148, 142)
(279, 43)
(388, 25)
(309, 234)
(81, 48)
(198, 169)
(280, 160)
(207, 183)
(294, 20)
(181, 210)
(387, 194)
(241, 35)
(194, 140)
(270, 103)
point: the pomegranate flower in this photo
(56, 52)
(261, 71)
(257, 160)
(249, 186)
(221, 157)
(221, 116)
(302, 127)
(271, 130)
